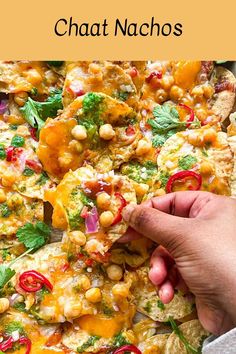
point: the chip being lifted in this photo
(95, 128)
(89, 205)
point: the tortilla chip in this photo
(192, 331)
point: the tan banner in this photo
(117, 30)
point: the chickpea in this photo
(79, 132)
(176, 93)
(114, 272)
(65, 160)
(77, 237)
(201, 114)
(143, 147)
(84, 282)
(8, 179)
(141, 189)
(72, 309)
(3, 196)
(197, 91)
(20, 98)
(120, 290)
(209, 136)
(93, 295)
(208, 90)
(76, 146)
(106, 132)
(167, 81)
(4, 304)
(205, 168)
(34, 77)
(106, 218)
(161, 95)
(103, 200)
(195, 139)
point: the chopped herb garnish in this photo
(34, 91)
(187, 162)
(6, 274)
(43, 178)
(20, 306)
(13, 126)
(122, 95)
(140, 173)
(4, 210)
(17, 141)
(119, 340)
(160, 305)
(89, 343)
(5, 254)
(163, 178)
(148, 307)
(14, 326)
(3, 154)
(41, 293)
(28, 172)
(86, 200)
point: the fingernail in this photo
(127, 211)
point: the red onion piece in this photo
(91, 221)
(3, 106)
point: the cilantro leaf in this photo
(165, 123)
(33, 236)
(6, 274)
(186, 162)
(163, 178)
(178, 332)
(35, 113)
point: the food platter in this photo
(78, 142)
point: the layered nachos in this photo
(78, 142)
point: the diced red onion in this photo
(3, 106)
(91, 221)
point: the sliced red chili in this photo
(182, 175)
(34, 165)
(32, 281)
(8, 344)
(191, 114)
(157, 74)
(26, 341)
(123, 203)
(33, 133)
(127, 348)
(130, 130)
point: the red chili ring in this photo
(37, 280)
(118, 217)
(190, 111)
(181, 175)
(131, 348)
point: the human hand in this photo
(197, 234)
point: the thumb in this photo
(165, 229)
